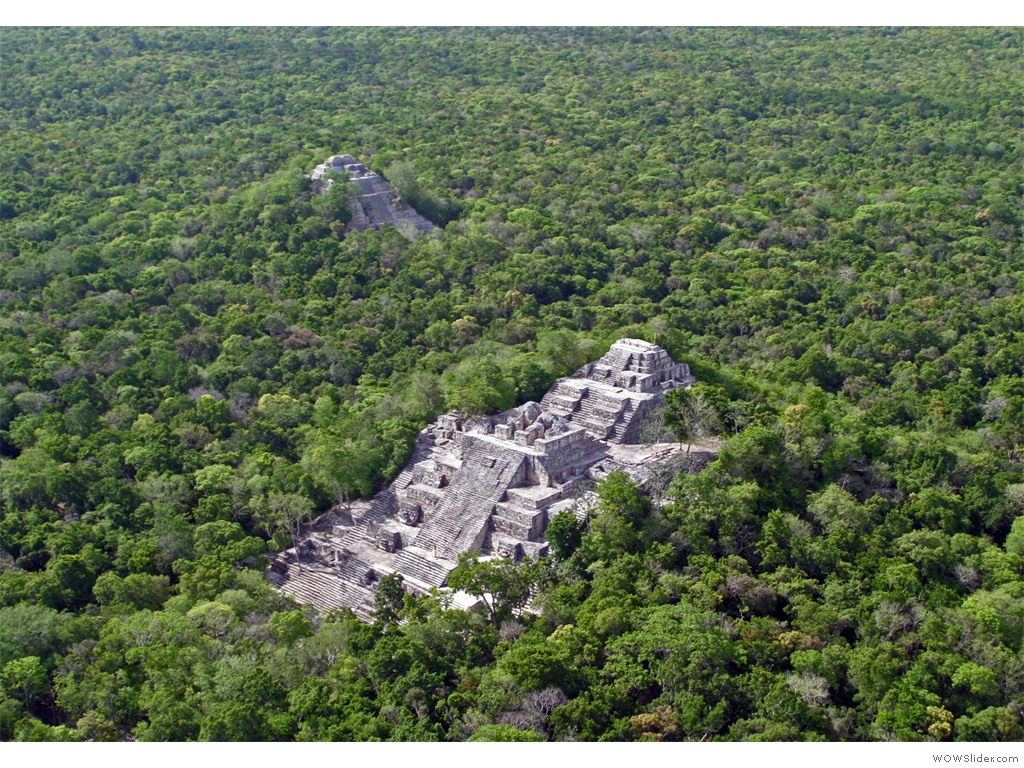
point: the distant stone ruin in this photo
(491, 484)
(376, 204)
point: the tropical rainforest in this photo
(197, 356)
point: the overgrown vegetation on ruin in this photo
(825, 225)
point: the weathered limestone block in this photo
(509, 548)
(409, 512)
(534, 550)
(450, 422)
(510, 527)
(423, 495)
(388, 540)
(429, 473)
(526, 523)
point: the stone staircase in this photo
(568, 402)
(355, 571)
(597, 420)
(351, 537)
(376, 206)
(604, 418)
(623, 423)
(416, 564)
(459, 523)
(470, 529)
(325, 590)
(442, 526)
(563, 400)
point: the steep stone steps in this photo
(463, 533)
(441, 527)
(420, 566)
(326, 591)
(622, 427)
(353, 537)
(459, 521)
(561, 399)
(355, 571)
(471, 525)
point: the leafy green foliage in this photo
(196, 357)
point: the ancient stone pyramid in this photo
(491, 484)
(377, 204)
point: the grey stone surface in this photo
(491, 485)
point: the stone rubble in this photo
(490, 484)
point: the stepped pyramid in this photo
(376, 204)
(491, 484)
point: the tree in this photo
(691, 416)
(654, 429)
(479, 386)
(565, 534)
(25, 678)
(290, 511)
(214, 478)
(502, 733)
(138, 590)
(402, 176)
(342, 467)
(225, 541)
(30, 630)
(389, 600)
(620, 515)
(1015, 539)
(502, 586)
(290, 626)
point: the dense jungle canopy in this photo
(194, 354)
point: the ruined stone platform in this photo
(490, 484)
